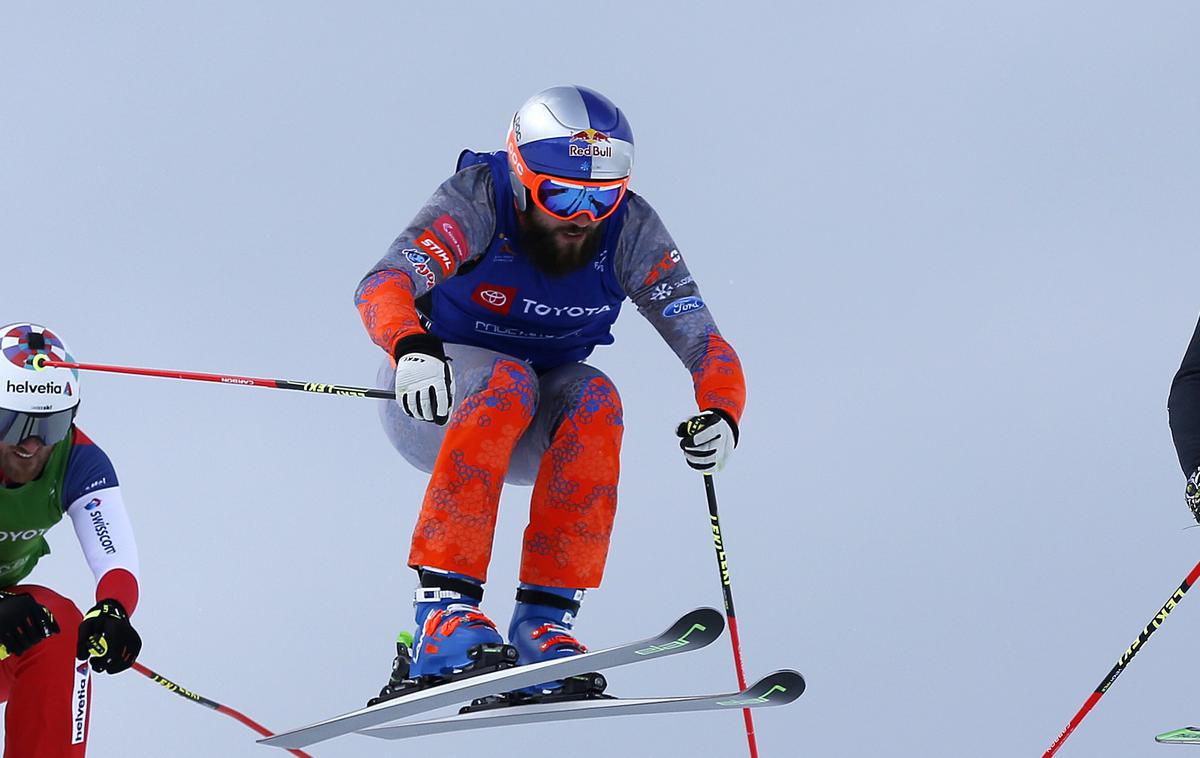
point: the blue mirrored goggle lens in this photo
(565, 200)
(16, 426)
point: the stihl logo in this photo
(434, 247)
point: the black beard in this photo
(539, 244)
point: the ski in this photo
(1188, 735)
(692, 631)
(777, 688)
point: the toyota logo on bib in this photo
(496, 298)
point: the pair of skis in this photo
(692, 631)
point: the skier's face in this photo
(558, 247)
(24, 461)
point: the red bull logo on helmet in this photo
(593, 147)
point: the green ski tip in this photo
(1185, 736)
(406, 638)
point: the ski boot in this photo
(540, 630)
(455, 639)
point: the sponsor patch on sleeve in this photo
(683, 305)
(420, 263)
(663, 267)
(429, 244)
(450, 231)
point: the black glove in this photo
(24, 622)
(107, 637)
(708, 439)
(424, 380)
(1193, 494)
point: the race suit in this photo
(528, 410)
(46, 689)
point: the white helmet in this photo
(575, 134)
(35, 401)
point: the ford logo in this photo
(416, 258)
(682, 305)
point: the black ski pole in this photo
(201, 700)
(1125, 658)
(727, 589)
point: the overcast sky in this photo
(954, 243)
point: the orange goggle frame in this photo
(567, 198)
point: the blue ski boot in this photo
(541, 623)
(540, 630)
(454, 638)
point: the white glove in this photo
(424, 381)
(707, 440)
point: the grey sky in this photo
(954, 244)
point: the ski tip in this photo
(699, 627)
(777, 688)
(1188, 735)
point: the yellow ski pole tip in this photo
(39, 361)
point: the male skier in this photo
(49, 467)
(1183, 409)
(487, 305)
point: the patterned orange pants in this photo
(560, 430)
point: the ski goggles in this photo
(566, 199)
(18, 426)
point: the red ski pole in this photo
(41, 361)
(727, 588)
(1125, 658)
(192, 696)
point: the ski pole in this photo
(41, 361)
(727, 588)
(192, 696)
(1125, 658)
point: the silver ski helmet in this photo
(570, 149)
(35, 401)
